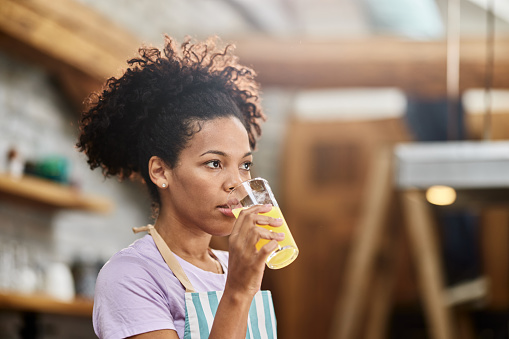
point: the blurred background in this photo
(370, 103)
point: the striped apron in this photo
(201, 307)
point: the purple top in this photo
(136, 292)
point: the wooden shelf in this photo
(49, 194)
(44, 304)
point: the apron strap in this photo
(167, 255)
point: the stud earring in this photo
(163, 185)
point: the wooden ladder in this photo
(367, 246)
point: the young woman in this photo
(185, 119)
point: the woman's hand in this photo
(246, 264)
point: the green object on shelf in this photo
(55, 168)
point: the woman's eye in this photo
(247, 166)
(214, 164)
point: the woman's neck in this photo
(183, 239)
(188, 243)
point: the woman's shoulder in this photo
(133, 294)
(138, 267)
(138, 251)
(138, 260)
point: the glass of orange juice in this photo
(258, 192)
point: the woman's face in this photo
(217, 158)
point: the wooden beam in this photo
(69, 33)
(75, 44)
(423, 241)
(415, 66)
(75, 84)
(360, 265)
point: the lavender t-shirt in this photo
(136, 292)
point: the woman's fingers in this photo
(253, 216)
(248, 215)
(265, 220)
(257, 209)
(245, 259)
(248, 228)
(267, 249)
(270, 235)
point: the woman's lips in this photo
(226, 211)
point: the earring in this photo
(163, 185)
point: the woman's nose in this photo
(233, 182)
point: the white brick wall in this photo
(35, 119)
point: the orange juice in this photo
(287, 249)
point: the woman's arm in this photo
(245, 271)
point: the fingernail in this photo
(281, 235)
(279, 219)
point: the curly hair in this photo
(152, 109)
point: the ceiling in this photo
(291, 43)
(306, 19)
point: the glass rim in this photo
(249, 180)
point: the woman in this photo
(187, 121)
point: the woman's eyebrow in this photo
(214, 152)
(221, 153)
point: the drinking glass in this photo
(257, 191)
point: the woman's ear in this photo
(158, 171)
